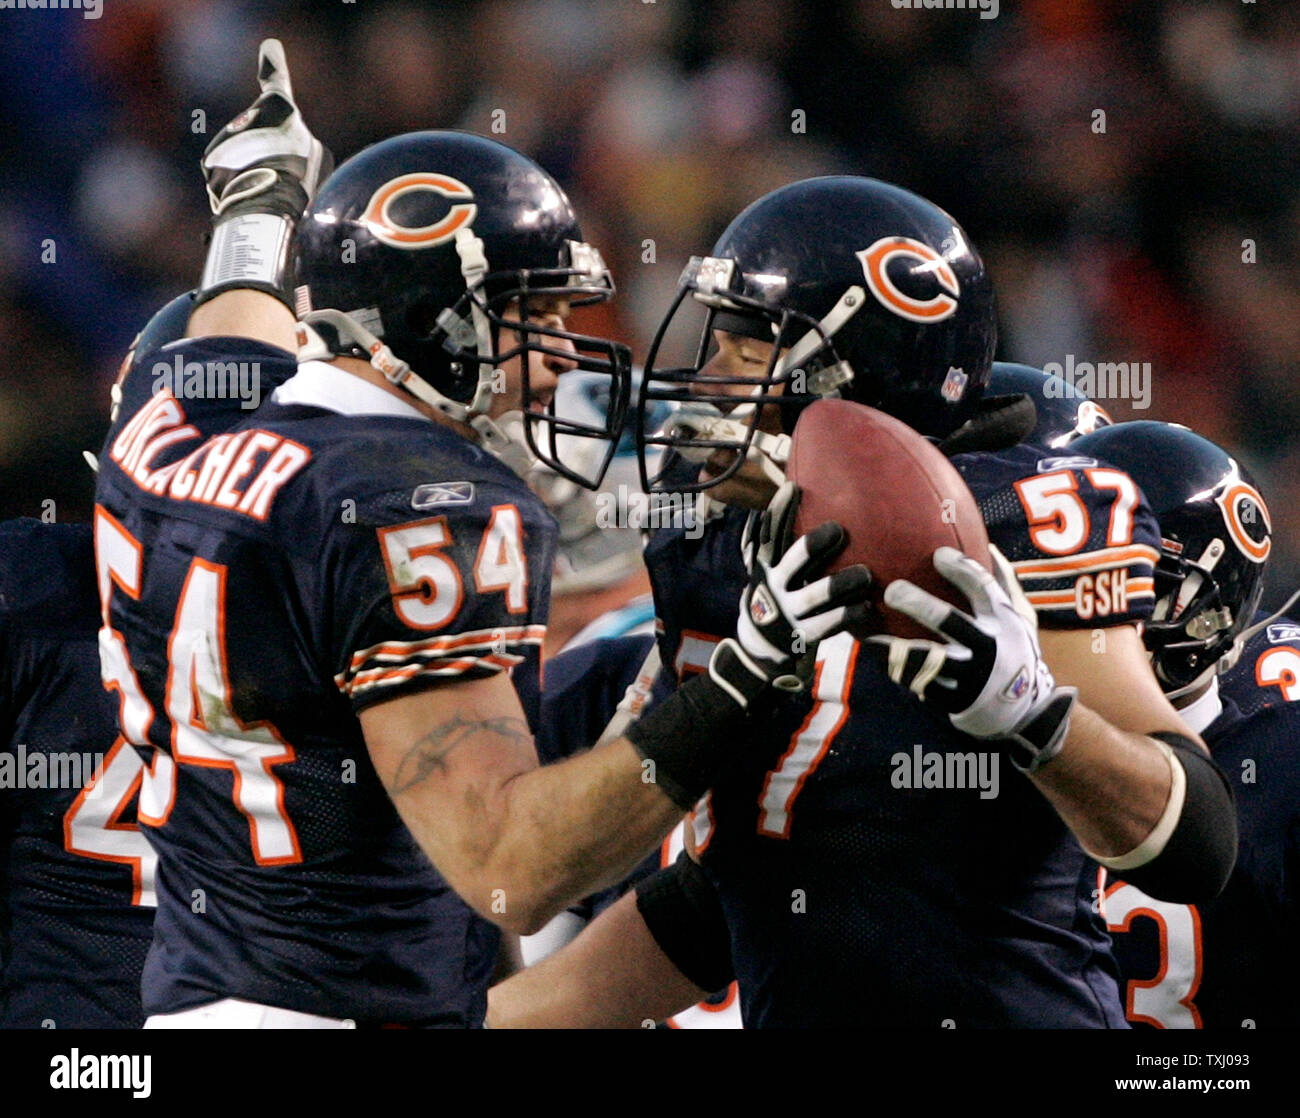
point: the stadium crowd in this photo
(1130, 171)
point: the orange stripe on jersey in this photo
(507, 634)
(384, 677)
(1088, 561)
(1051, 599)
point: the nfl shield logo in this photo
(954, 385)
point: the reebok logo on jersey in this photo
(438, 493)
(1283, 631)
(1047, 465)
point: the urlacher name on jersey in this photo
(241, 472)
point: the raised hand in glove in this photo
(261, 171)
(989, 675)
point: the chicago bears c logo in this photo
(1090, 417)
(1248, 521)
(875, 262)
(379, 219)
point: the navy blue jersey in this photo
(875, 866)
(1080, 536)
(1232, 963)
(857, 893)
(78, 875)
(1267, 673)
(268, 584)
(583, 688)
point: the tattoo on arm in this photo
(429, 754)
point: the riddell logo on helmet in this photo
(875, 266)
(386, 228)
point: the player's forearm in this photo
(614, 975)
(1188, 854)
(1109, 786)
(536, 839)
(516, 841)
(572, 828)
(246, 313)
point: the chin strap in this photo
(504, 439)
(1200, 681)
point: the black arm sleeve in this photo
(1198, 859)
(680, 908)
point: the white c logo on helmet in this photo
(381, 223)
(875, 261)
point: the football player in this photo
(312, 617)
(80, 874)
(78, 896)
(836, 892)
(1227, 963)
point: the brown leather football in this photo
(896, 496)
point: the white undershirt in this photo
(321, 385)
(1199, 714)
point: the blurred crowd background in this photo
(663, 118)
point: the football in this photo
(895, 494)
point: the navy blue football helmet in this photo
(870, 293)
(412, 254)
(1064, 413)
(1216, 536)
(167, 325)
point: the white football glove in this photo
(261, 170)
(267, 152)
(783, 615)
(989, 675)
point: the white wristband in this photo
(246, 250)
(1154, 843)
